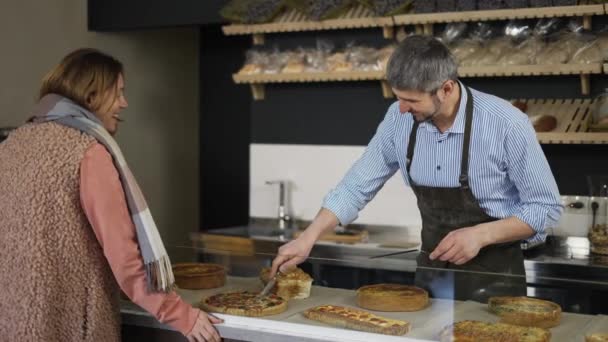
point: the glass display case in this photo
(572, 282)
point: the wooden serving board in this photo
(349, 236)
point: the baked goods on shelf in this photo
(351, 318)
(526, 311)
(293, 285)
(244, 304)
(597, 337)
(250, 69)
(543, 123)
(470, 331)
(198, 276)
(392, 297)
(598, 237)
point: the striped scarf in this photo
(61, 110)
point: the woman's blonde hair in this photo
(85, 76)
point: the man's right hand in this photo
(203, 330)
(292, 254)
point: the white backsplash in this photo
(312, 170)
(576, 222)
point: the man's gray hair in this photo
(421, 63)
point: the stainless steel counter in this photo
(563, 259)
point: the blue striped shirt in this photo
(508, 172)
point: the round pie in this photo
(244, 304)
(198, 276)
(526, 311)
(392, 297)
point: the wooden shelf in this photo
(530, 70)
(573, 120)
(258, 80)
(310, 77)
(501, 14)
(361, 17)
(573, 138)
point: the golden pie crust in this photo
(199, 276)
(244, 304)
(473, 331)
(392, 297)
(351, 318)
(526, 311)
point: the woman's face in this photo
(109, 112)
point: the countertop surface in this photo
(426, 323)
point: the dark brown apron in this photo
(498, 270)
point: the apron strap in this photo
(464, 163)
(410, 147)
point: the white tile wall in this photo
(312, 170)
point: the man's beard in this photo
(437, 105)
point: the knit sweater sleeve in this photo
(104, 203)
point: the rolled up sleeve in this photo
(367, 175)
(539, 200)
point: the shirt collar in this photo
(458, 125)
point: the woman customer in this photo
(74, 225)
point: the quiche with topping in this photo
(351, 318)
(526, 311)
(244, 304)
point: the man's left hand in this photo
(459, 246)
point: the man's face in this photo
(422, 105)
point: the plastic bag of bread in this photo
(522, 54)
(254, 62)
(384, 55)
(316, 59)
(321, 9)
(453, 32)
(552, 54)
(252, 11)
(481, 56)
(589, 53)
(276, 60)
(602, 42)
(294, 62)
(387, 7)
(464, 48)
(363, 58)
(424, 6)
(337, 62)
(499, 46)
(560, 49)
